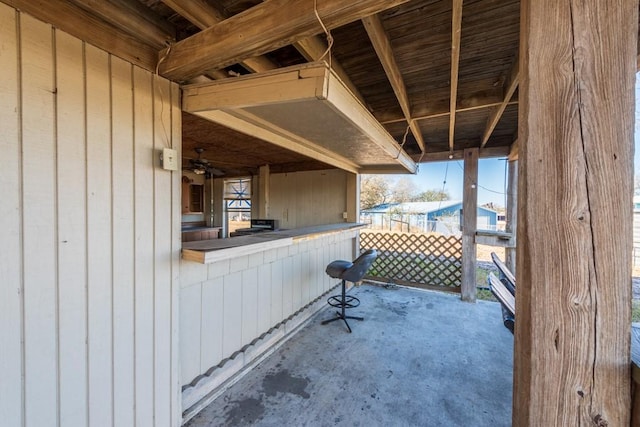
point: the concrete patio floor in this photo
(419, 358)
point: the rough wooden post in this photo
(512, 214)
(469, 224)
(578, 63)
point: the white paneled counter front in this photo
(232, 295)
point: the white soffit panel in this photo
(306, 109)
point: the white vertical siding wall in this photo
(89, 234)
(228, 304)
(301, 199)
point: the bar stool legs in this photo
(343, 302)
(348, 272)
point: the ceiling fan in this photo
(201, 166)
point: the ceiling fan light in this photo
(199, 171)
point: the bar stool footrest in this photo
(349, 301)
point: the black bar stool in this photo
(352, 272)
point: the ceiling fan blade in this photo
(215, 171)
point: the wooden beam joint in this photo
(263, 28)
(382, 45)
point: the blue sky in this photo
(491, 172)
(491, 179)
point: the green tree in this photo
(433, 195)
(374, 191)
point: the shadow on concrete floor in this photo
(419, 358)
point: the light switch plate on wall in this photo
(169, 159)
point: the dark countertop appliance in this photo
(257, 226)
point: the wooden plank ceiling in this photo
(440, 75)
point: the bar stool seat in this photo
(352, 272)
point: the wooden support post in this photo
(218, 206)
(209, 208)
(353, 206)
(263, 192)
(512, 214)
(353, 197)
(571, 359)
(469, 224)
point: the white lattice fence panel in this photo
(428, 259)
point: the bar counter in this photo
(208, 251)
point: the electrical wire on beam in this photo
(481, 186)
(167, 141)
(444, 183)
(404, 140)
(326, 32)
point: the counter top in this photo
(317, 230)
(198, 228)
(207, 251)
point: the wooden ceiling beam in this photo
(382, 45)
(456, 31)
(261, 29)
(312, 49)
(88, 27)
(133, 18)
(198, 12)
(445, 112)
(443, 156)
(468, 103)
(204, 16)
(216, 74)
(510, 87)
